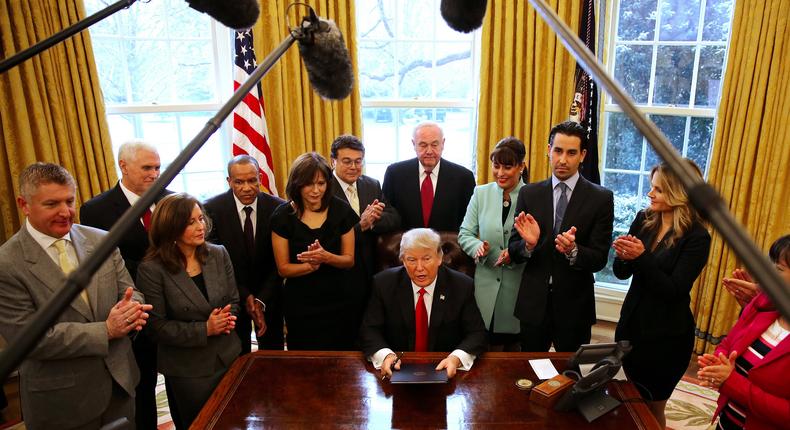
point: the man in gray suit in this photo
(82, 373)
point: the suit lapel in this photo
(237, 232)
(438, 306)
(339, 190)
(84, 250)
(363, 192)
(438, 195)
(575, 204)
(212, 278)
(189, 289)
(121, 204)
(405, 297)
(546, 219)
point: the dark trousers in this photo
(272, 339)
(119, 414)
(145, 393)
(565, 337)
(186, 396)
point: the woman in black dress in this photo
(313, 241)
(665, 250)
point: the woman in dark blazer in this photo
(191, 286)
(665, 250)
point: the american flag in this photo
(250, 134)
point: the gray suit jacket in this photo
(66, 380)
(178, 321)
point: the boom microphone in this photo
(326, 58)
(236, 14)
(463, 15)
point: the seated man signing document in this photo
(422, 306)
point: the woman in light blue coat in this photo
(484, 236)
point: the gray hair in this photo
(422, 238)
(128, 150)
(425, 124)
(43, 173)
(243, 159)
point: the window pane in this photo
(415, 63)
(679, 20)
(376, 65)
(194, 71)
(606, 274)
(378, 127)
(415, 19)
(201, 185)
(375, 19)
(453, 70)
(674, 128)
(113, 75)
(718, 14)
(700, 137)
(625, 187)
(632, 69)
(711, 61)
(624, 148)
(636, 20)
(674, 67)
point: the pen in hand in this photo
(392, 366)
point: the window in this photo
(669, 55)
(414, 68)
(163, 75)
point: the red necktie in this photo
(147, 219)
(421, 323)
(426, 195)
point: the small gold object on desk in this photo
(524, 384)
(549, 392)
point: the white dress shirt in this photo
(46, 242)
(434, 174)
(570, 182)
(133, 198)
(467, 360)
(345, 186)
(243, 215)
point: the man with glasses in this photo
(429, 191)
(363, 194)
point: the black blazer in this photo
(104, 209)
(369, 190)
(255, 274)
(591, 210)
(455, 321)
(454, 188)
(657, 303)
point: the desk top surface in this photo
(299, 389)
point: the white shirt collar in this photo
(44, 240)
(428, 289)
(343, 183)
(435, 169)
(240, 206)
(570, 182)
(130, 195)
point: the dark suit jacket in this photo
(67, 380)
(657, 303)
(591, 210)
(103, 210)
(454, 188)
(455, 321)
(177, 323)
(256, 275)
(369, 190)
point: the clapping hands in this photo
(628, 247)
(371, 214)
(528, 228)
(714, 370)
(314, 256)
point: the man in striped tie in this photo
(422, 306)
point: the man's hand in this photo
(221, 321)
(249, 304)
(528, 228)
(451, 363)
(258, 318)
(371, 214)
(386, 366)
(126, 315)
(565, 242)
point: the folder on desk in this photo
(418, 374)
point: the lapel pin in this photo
(441, 296)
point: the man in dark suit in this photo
(422, 306)
(241, 224)
(429, 191)
(563, 232)
(140, 166)
(82, 372)
(363, 194)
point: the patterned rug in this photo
(691, 406)
(164, 422)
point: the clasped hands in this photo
(450, 364)
(314, 256)
(714, 370)
(527, 227)
(371, 214)
(221, 321)
(126, 315)
(628, 247)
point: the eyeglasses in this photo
(347, 162)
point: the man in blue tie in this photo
(563, 232)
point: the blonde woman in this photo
(665, 250)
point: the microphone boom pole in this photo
(62, 35)
(702, 195)
(29, 336)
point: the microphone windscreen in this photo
(236, 14)
(328, 62)
(463, 15)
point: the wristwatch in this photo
(570, 255)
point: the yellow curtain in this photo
(526, 81)
(298, 119)
(51, 107)
(750, 164)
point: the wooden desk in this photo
(304, 389)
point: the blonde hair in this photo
(683, 214)
(420, 238)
